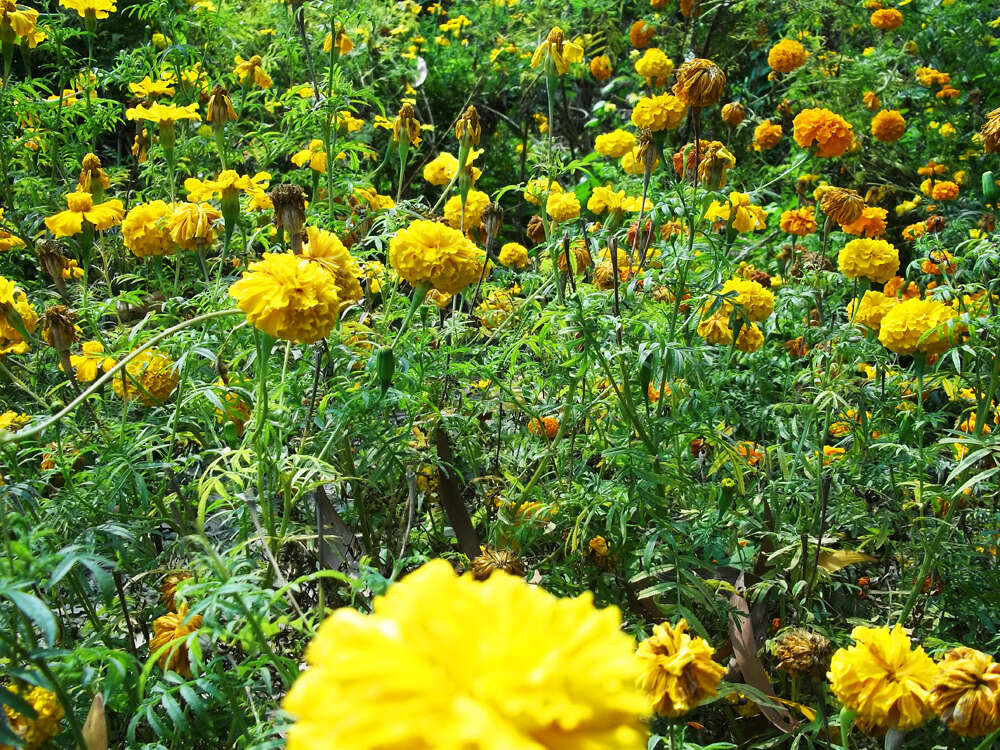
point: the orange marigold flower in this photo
(887, 19)
(798, 221)
(641, 34)
(766, 135)
(830, 133)
(946, 190)
(786, 56)
(888, 125)
(548, 426)
(871, 223)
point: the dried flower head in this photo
(803, 653)
(491, 560)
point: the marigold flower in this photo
(936, 260)
(163, 114)
(92, 178)
(432, 254)
(876, 260)
(715, 329)
(699, 83)
(254, 68)
(991, 132)
(662, 112)
(12, 421)
(313, 155)
(767, 135)
(840, 204)
(344, 43)
(798, 221)
(92, 359)
(714, 162)
(830, 133)
(873, 307)
(91, 9)
(173, 629)
(917, 325)
(755, 301)
(8, 241)
(14, 303)
(615, 144)
(405, 124)
(492, 560)
(150, 376)
(600, 67)
(945, 190)
(871, 223)
(17, 20)
(327, 251)
(966, 692)
(733, 113)
(193, 226)
(557, 50)
(641, 34)
(578, 254)
(219, 109)
(570, 685)
(738, 213)
(888, 125)
(881, 679)
(562, 206)
(750, 339)
(442, 168)
(475, 202)
(678, 671)
(886, 19)
(81, 209)
(786, 56)
(803, 653)
(288, 297)
(654, 65)
(513, 255)
(47, 722)
(871, 101)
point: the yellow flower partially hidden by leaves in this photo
(313, 155)
(883, 680)
(150, 376)
(966, 693)
(869, 313)
(47, 723)
(557, 53)
(87, 364)
(615, 144)
(738, 213)
(12, 421)
(678, 670)
(427, 253)
(325, 249)
(172, 631)
(80, 210)
(475, 202)
(547, 673)
(17, 318)
(288, 297)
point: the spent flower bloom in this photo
(678, 670)
(557, 53)
(966, 692)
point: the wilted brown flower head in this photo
(803, 653)
(220, 106)
(92, 180)
(966, 692)
(536, 229)
(52, 261)
(168, 589)
(733, 113)
(406, 125)
(491, 560)
(991, 132)
(699, 83)
(492, 217)
(468, 126)
(646, 154)
(59, 327)
(290, 211)
(841, 204)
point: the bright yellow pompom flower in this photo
(325, 249)
(427, 253)
(754, 300)
(146, 229)
(547, 674)
(876, 260)
(916, 325)
(869, 312)
(678, 670)
(663, 112)
(883, 680)
(786, 56)
(514, 255)
(150, 376)
(563, 206)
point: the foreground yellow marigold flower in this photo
(325, 249)
(873, 307)
(699, 83)
(81, 209)
(678, 671)
(174, 628)
(431, 254)
(514, 255)
(194, 226)
(738, 213)
(888, 125)
(615, 144)
(886, 19)
(654, 65)
(662, 112)
(562, 206)
(871, 223)
(882, 680)
(146, 229)
(877, 260)
(715, 329)
(917, 325)
(945, 190)
(548, 674)
(557, 53)
(786, 56)
(288, 297)
(164, 114)
(92, 9)
(798, 221)
(830, 133)
(150, 376)
(313, 155)
(17, 20)
(36, 732)
(966, 692)
(767, 135)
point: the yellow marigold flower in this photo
(81, 209)
(616, 144)
(766, 135)
(92, 178)
(877, 260)
(534, 191)
(570, 685)
(314, 156)
(869, 313)
(754, 300)
(714, 162)
(325, 249)
(888, 125)
(288, 297)
(475, 202)
(193, 225)
(47, 723)
(93, 358)
(17, 20)
(886, 19)
(750, 339)
(92, 9)
(945, 190)
(150, 376)
(881, 679)
(640, 34)
(830, 133)
(935, 260)
(441, 169)
(786, 56)
(557, 51)
(344, 43)
(654, 65)
(514, 255)
(798, 221)
(840, 204)
(431, 254)
(738, 213)
(150, 89)
(12, 421)
(913, 231)
(916, 325)
(871, 101)
(375, 200)
(991, 132)
(254, 67)
(715, 329)
(14, 302)
(733, 113)
(678, 670)
(699, 83)
(173, 629)
(163, 114)
(662, 112)
(966, 692)
(604, 198)
(8, 241)
(871, 223)
(600, 67)
(562, 206)
(146, 229)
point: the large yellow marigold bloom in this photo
(513, 255)
(871, 223)
(786, 56)
(755, 300)
(174, 628)
(751, 338)
(883, 680)
(886, 19)
(699, 83)
(877, 260)
(47, 723)
(915, 325)
(14, 301)
(326, 249)
(767, 135)
(547, 674)
(80, 209)
(715, 329)
(615, 144)
(475, 202)
(150, 376)
(432, 254)
(563, 206)
(830, 133)
(873, 307)
(288, 297)
(738, 212)
(146, 229)
(678, 671)
(92, 8)
(945, 190)
(991, 132)
(966, 692)
(654, 66)
(441, 169)
(798, 221)
(888, 125)
(662, 112)
(194, 225)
